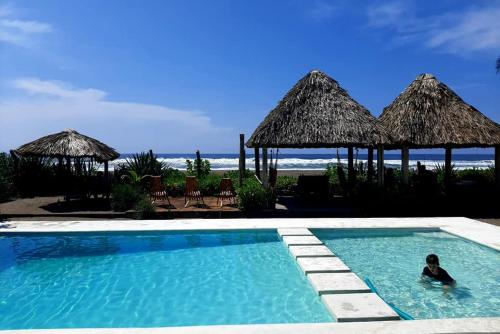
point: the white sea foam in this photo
(310, 164)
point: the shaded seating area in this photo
(77, 158)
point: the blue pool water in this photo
(152, 280)
(393, 260)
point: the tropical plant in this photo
(144, 208)
(203, 165)
(144, 164)
(253, 196)
(125, 196)
(285, 184)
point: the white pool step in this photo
(358, 307)
(312, 265)
(310, 251)
(329, 283)
(293, 231)
(344, 294)
(301, 240)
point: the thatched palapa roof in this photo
(429, 114)
(317, 112)
(68, 143)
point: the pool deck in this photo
(299, 239)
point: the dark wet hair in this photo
(432, 259)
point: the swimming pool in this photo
(393, 260)
(151, 280)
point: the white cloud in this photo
(46, 106)
(20, 32)
(460, 32)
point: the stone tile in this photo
(358, 307)
(310, 251)
(301, 240)
(327, 283)
(294, 231)
(322, 265)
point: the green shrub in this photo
(125, 196)
(175, 181)
(209, 185)
(253, 197)
(332, 173)
(144, 163)
(481, 176)
(144, 208)
(202, 164)
(285, 185)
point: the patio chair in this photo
(226, 191)
(157, 191)
(192, 191)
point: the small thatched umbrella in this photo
(69, 144)
(428, 114)
(316, 113)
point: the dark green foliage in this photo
(209, 185)
(285, 185)
(35, 176)
(175, 181)
(6, 177)
(253, 197)
(332, 173)
(192, 167)
(480, 176)
(125, 196)
(144, 208)
(142, 164)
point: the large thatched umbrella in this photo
(316, 113)
(69, 144)
(428, 114)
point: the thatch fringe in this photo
(429, 114)
(317, 112)
(68, 143)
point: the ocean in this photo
(319, 161)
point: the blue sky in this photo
(177, 76)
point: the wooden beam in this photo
(405, 170)
(497, 166)
(257, 162)
(350, 165)
(265, 169)
(380, 165)
(447, 166)
(369, 172)
(242, 158)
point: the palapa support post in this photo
(106, 171)
(405, 157)
(257, 162)
(497, 166)
(265, 170)
(350, 165)
(369, 172)
(380, 165)
(198, 164)
(242, 159)
(447, 166)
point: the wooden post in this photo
(497, 167)
(447, 166)
(369, 172)
(242, 158)
(265, 170)
(350, 166)
(257, 162)
(405, 157)
(380, 165)
(198, 163)
(106, 171)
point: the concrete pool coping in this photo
(482, 233)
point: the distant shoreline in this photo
(281, 172)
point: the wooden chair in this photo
(226, 191)
(192, 191)
(157, 191)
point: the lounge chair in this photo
(157, 191)
(192, 191)
(226, 191)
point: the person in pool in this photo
(434, 271)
